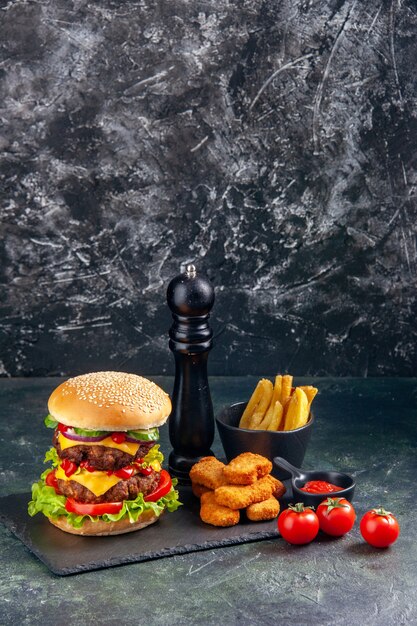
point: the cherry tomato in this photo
(379, 528)
(164, 486)
(336, 516)
(82, 508)
(298, 524)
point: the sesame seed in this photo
(105, 389)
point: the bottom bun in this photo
(101, 528)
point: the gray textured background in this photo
(272, 142)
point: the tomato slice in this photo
(125, 472)
(86, 465)
(69, 467)
(118, 437)
(84, 508)
(51, 481)
(145, 471)
(62, 428)
(165, 484)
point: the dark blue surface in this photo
(364, 427)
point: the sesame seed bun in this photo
(113, 401)
(101, 528)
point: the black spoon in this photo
(299, 478)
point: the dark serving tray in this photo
(174, 533)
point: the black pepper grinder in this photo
(190, 297)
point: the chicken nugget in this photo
(215, 514)
(208, 472)
(278, 488)
(240, 497)
(246, 468)
(260, 511)
(198, 490)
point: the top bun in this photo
(112, 401)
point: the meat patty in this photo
(124, 490)
(101, 457)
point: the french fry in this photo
(261, 422)
(262, 407)
(262, 389)
(257, 420)
(278, 407)
(277, 416)
(252, 404)
(297, 412)
(311, 393)
(277, 389)
(286, 388)
(276, 396)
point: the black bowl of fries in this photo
(290, 444)
(277, 421)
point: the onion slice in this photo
(74, 437)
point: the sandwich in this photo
(106, 475)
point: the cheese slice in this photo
(97, 482)
(126, 446)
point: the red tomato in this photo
(81, 508)
(125, 472)
(164, 486)
(118, 437)
(298, 524)
(336, 516)
(52, 481)
(69, 467)
(62, 428)
(86, 465)
(379, 528)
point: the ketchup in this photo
(320, 486)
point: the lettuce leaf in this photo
(52, 456)
(50, 422)
(154, 454)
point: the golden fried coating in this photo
(239, 497)
(215, 514)
(198, 490)
(278, 488)
(267, 509)
(208, 472)
(246, 468)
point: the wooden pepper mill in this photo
(190, 297)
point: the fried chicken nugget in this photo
(246, 468)
(208, 472)
(198, 490)
(240, 497)
(260, 511)
(278, 488)
(215, 514)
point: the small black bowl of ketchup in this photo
(312, 487)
